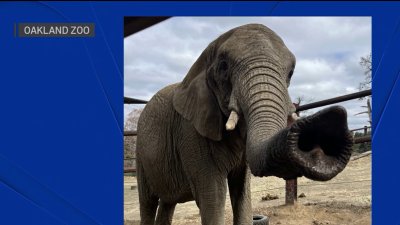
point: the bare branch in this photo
(366, 63)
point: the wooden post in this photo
(291, 185)
(365, 130)
(291, 192)
(369, 112)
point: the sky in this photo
(327, 51)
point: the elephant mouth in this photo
(320, 145)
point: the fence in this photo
(291, 185)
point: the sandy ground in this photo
(346, 199)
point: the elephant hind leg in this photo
(147, 200)
(165, 213)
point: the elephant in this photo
(232, 116)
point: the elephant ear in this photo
(195, 101)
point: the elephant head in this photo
(240, 82)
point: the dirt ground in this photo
(344, 200)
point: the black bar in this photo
(128, 100)
(136, 24)
(334, 100)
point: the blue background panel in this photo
(32, 213)
(61, 117)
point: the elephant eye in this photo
(290, 74)
(223, 66)
(289, 78)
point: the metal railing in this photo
(331, 101)
(128, 100)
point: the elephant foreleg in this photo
(165, 213)
(239, 190)
(210, 197)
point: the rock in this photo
(269, 197)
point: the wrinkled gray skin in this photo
(184, 151)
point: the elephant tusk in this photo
(232, 121)
(295, 117)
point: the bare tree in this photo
(368, 111)
(301, 100)
(366, 63)
(132, 119)
(130, 141)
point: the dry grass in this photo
(345, 200)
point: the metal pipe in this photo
(128, 100)
(334, 100)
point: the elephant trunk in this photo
(263, 101)
(318, 146)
